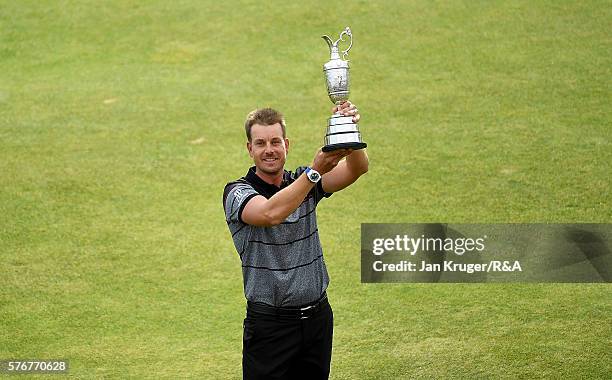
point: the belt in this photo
(300, 312)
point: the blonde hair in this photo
(263, 116)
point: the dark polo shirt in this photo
(282, 265)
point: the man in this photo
(271, 215)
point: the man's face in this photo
(268, 148)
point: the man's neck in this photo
(273, 179)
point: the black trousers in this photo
(286, 347)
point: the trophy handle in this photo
(346, 32)
(333, 45)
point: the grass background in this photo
(120, 123)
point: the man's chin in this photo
(271, 169)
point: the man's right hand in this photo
(325, 161)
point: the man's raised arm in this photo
(260, 211)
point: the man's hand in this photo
(324, 162)
(348, 109)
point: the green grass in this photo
(120, 123)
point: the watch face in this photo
(314, 176)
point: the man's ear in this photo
(286, 145)
(249, 147)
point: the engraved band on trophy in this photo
(342, 132)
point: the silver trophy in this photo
(341, 133)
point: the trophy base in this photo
(349, 145)
(342, 133)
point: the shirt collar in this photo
(264, 188)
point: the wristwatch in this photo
(312, 175)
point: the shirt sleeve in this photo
(235, 198)
(319, 193)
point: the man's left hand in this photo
(348, 109)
